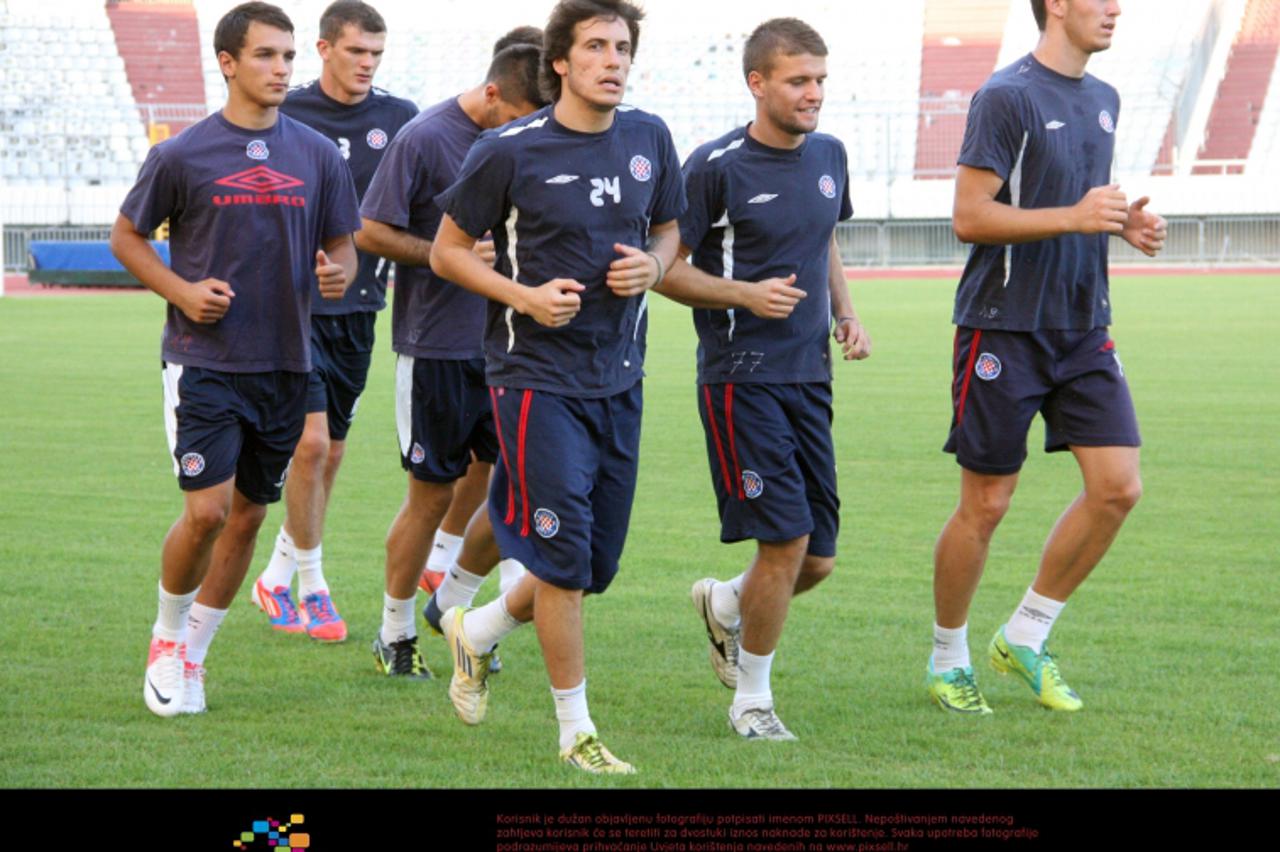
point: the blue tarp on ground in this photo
(81, 256)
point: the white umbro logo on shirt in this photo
(763, 198)
(1054, 125)
(558, 179)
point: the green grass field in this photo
(1174, 643)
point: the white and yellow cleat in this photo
(469, 687)
(589, 754)
(759, 723)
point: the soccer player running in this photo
(260, 209)
(582, 199)
(443, 414)
(470, 492)
(343, 105)
(1035, 197)
(764, 201)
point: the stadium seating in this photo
(68, 117)
(74, 125)
(161, 50)
(1241, 94)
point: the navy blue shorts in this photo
(560, 501)
(1002, 378)
(341, 349)
(443, 417)
(773, 463)
(244, 425)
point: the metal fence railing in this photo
(1199, 241)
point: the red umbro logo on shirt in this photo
(264, 183)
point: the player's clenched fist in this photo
(774, 298)
(1103, 210)
(634, 272)
(553, 304)
(207, 301)
(855, 343)
(332, 277)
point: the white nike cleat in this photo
(723, 642)
(163, 686)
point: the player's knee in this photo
(985, 508)
(1120, 497)
(814, 570)
(312, 450)
(206, 518)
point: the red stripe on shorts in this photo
(715, 433)
(520, 438)
(511, 495)
(968, 373)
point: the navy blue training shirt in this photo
(362, 133)
(757, 212)
(252, 208)
(1051, 139)
(430, 316)
(557, 200)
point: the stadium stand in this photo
(84, 83)
(160, 45)
(958, 53)
(1242, 92)
(69, 119)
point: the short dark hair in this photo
(342, 12)
(520, 35)
(234, 26)
(787, 36)
(1037, 9)
(514, 71)
(557, 39)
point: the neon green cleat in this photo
(589, 754)
(956, 690)
(1038, 671)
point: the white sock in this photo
(489, 625)
(1032, 621)
(397, 619)
(202, 624)
(950, 648)
(724, 602)
(310, 572)
(280, 569)
(458, 588)
(571, 710)
(509, 573)
(171, 619)
(753, 682)
(444, 551)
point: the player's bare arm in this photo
(772, 298)
(1144, 230)
(978, 218)
(336, 266)
(453, 256)
(393, 243)
(855, 343)
(397, 244)
(204, 301)
(638, 269)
